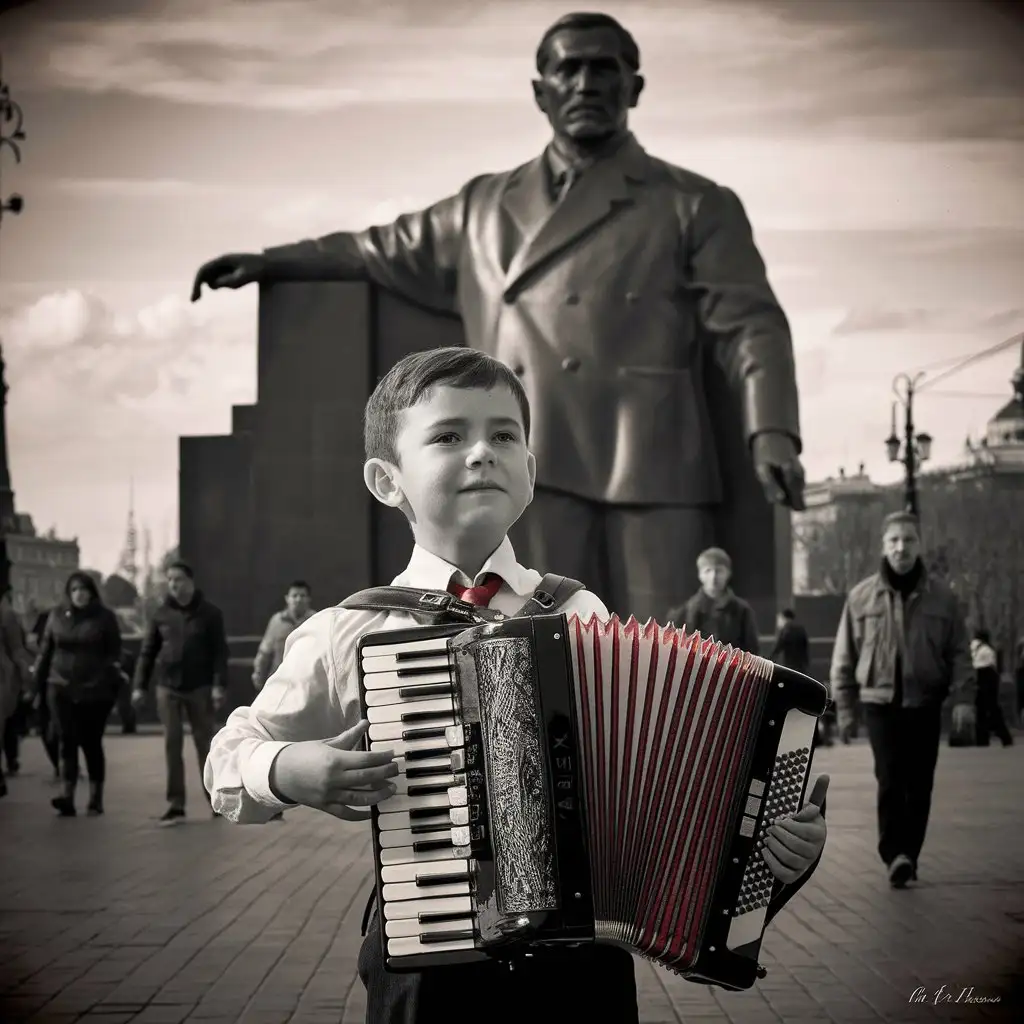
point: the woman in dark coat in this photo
(78, 675)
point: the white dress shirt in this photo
(314, 693)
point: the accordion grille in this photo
(665, 719)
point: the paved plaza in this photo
(113, 919)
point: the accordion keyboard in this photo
(423, 832)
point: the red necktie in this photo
(479, 596)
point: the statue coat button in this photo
(519, 369)
(571, 364)
(632, 296)
(572, 300)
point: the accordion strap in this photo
(437, 606)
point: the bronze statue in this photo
(602, 275)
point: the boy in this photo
(446, 437)
(715, 610)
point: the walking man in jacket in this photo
(902, 649)
(271, 650)
(187, 646)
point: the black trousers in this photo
(640, 560)
(589, 983)
(80, 726)
(989, 711)
(14, 729)
(905, 744)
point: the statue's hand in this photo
(778, 468)
(232, 271)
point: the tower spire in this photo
(128, 566)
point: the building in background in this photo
(36, 566)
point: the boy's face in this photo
(714, 578)
(464, 468)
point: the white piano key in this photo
(407, 855)
(410, 872)
(394, 730)
(390, 663)
(437, 643)
(374, 698)
(441, 707)
(392, 680)
(404, 802)
(412, 947)
(403, 837)
(409, 927)
(405, 909)
(403, 783)
(442, 763)
(403, 746)
(412, 891)
(391, 822)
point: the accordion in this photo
(565, 781)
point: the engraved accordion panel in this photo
(566, 781)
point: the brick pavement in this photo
(114, 920)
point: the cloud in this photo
(757, 65)
(962, 320)
(80, 370)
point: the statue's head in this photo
(589, 68)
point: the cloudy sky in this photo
(879, 149)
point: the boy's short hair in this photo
(409, 380)
(182, 567)
(299, 585)
(713, 556)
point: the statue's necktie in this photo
(568, 179)
(481, 595)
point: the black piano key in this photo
(430, 690)
(433, 826)
(453, 936)
(423, 845)
(422, 755)
(434, 732)
(439, 916)
(429, 789)
(425, 716)
(423, 773)
(419, 670)
(425, 881)
(427, 812)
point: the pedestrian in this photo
(793, 650)
(902, 649)
(44, 723)
(78, 674)
(14, 670)
(446, 438)
(187, 649)
(988, 710)
(271, 650)
(715, 610)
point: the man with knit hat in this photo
(715, 610)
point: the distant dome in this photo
(1006, 428)
(119, 593)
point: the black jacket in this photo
(80, 649)
(730, 620)
(792, 648)
(187, 646)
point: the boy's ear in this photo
(381, 479)
(531, 468)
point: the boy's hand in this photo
(793, 844)
(332, 776)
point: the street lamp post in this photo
(913, 450)
(11, 133)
